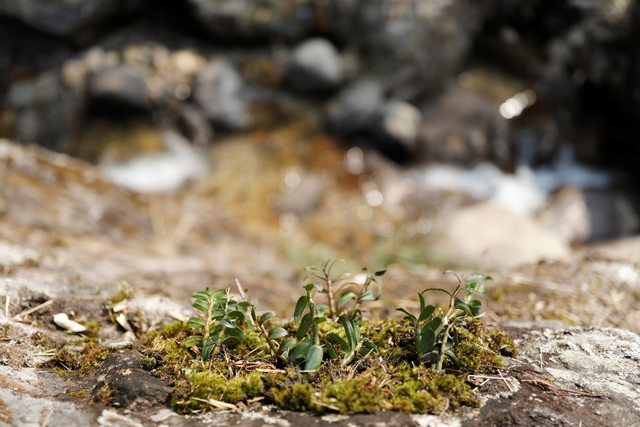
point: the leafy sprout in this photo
(435, 335)
(220, 323)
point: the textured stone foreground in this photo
(565, 376)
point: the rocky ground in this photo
(60, 255)
(196, 143)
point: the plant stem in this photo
(272, 344)
(349, 357)
(332, 301)
(313, 312)
(443, 347)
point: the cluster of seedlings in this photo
(327, 357)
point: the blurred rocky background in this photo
(253, 137)
(152, 148)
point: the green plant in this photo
(355, 344)
(220, 324)
(308, 349)
(324, 273)
(436, 335)
(280, 350)
(364, 294)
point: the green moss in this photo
(210, 385)
(299, 397)
(358, 395)
(147, 362)
(391, 381)
(80, 394)
(500, 342)
(175, 330)
(103, 396)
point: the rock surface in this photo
(490, 236)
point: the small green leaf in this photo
(431, 326)
(319, 320)
(343, 276)
(336, 338)
(381, 272)
(314, 358)
(227, 323)
(245, 304)
(330, 350)
(379, 290)
(217, 294)
(426, 342)
(475, 306)
(470, 292)
(266, 316)
(430, 358)
(427, 312)
(437, 289)
(422, 303)
(235, 332)
(350, 330)
(452, 272)
(237, 314)
(464, 308)
(207, 348)
(230, 340)
(286, 345)
(217, 315)
(298, 354)
(300, 306)
(409, 315)
(456, 338)
(345, 298)
(202, 296)
(305, 324)
(367, 348)
(201, 305)
(277, 333)
(367, 296)
(194, 341)
(195, 322)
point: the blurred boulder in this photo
(46, 112)
(315, 66)
(356, 108)
(463, 128)
(412, 46)
(566, 216)
(119, 86)
(223, 95)
(65, 18)
(488, 236)
(253, 19)
(579, 216)
(400, 124)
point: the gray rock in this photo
(130, 386)
(460, 127)
(119, 86)
(400, 124)
(252, 19)
(411, 46)
(355, 108)
(315, 66)
(221, 93)
(65, 17)
(47, 113)
(485, 235)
